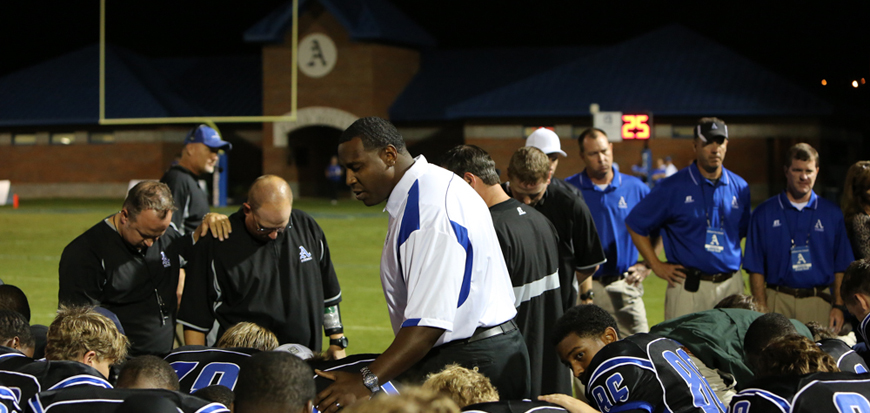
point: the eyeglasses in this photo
(265, 230)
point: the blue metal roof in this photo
(65, 90)
(365, 20)
(671, 71)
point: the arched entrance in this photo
(309, 149)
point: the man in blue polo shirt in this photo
(610, 196)
(797, 246)
(703, 211)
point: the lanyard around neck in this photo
(793, 229)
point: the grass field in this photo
(33, 237)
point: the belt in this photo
(482, 333)
(716, 278)
(803, 292)
(606, 280)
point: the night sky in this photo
(805, 42)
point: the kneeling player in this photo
(81, 346)
(639, 372)
(795, 375)
(198, 367)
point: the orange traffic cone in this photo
(14, 201)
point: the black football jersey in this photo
(649, 373)
(847, 359)
(842, 392)
(201, 366)
(350, 364)
(99, 400)
(8, 401)
(514, 406)
(25, 377)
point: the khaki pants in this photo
(680, 302)
(801, 309)
(625, 303)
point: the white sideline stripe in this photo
(536, 288)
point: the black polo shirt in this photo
(530, 247)
(579, 246)
(100, 268)
(190, 200)
(283, 284)
(566, 186)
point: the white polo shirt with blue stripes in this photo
(442, 265)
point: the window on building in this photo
(24, 139)
(101, 137)
(63, 138)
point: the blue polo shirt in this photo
(609, 207)
(682, 204)
(819, 225)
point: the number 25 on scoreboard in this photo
(635, 127)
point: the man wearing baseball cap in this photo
(199, 156)
(548, 142)
(702, 212)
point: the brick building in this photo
(363, 58)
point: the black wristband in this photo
(842, 308)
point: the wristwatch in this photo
(370, 380)
(341, 342)
(588, 295)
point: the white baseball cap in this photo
(297, 350)
(545, 140)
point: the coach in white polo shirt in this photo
(447, 288)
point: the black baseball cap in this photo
(705, 131)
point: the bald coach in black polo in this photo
(274, 270)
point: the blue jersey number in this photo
(851, 403)
(702, 395)
(617, 392)
(224, 374)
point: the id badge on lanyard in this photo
(801, 260)
(715, 240)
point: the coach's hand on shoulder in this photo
(218, 224)
(346, 389)
(568, 403)
(669, 272)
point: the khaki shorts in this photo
(801, 309)
(624, 302)
(680, 302)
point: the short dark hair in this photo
(763, 331)
(856, 280)
(13, 324)
(470, 158)
(585, 320)
(746, 302)
(274, 379)
(529, 165)
(375, 133)
(216, 393)
(149, 195)
(150, 371)
(802, 152)
(591, 132)
(12, 298)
